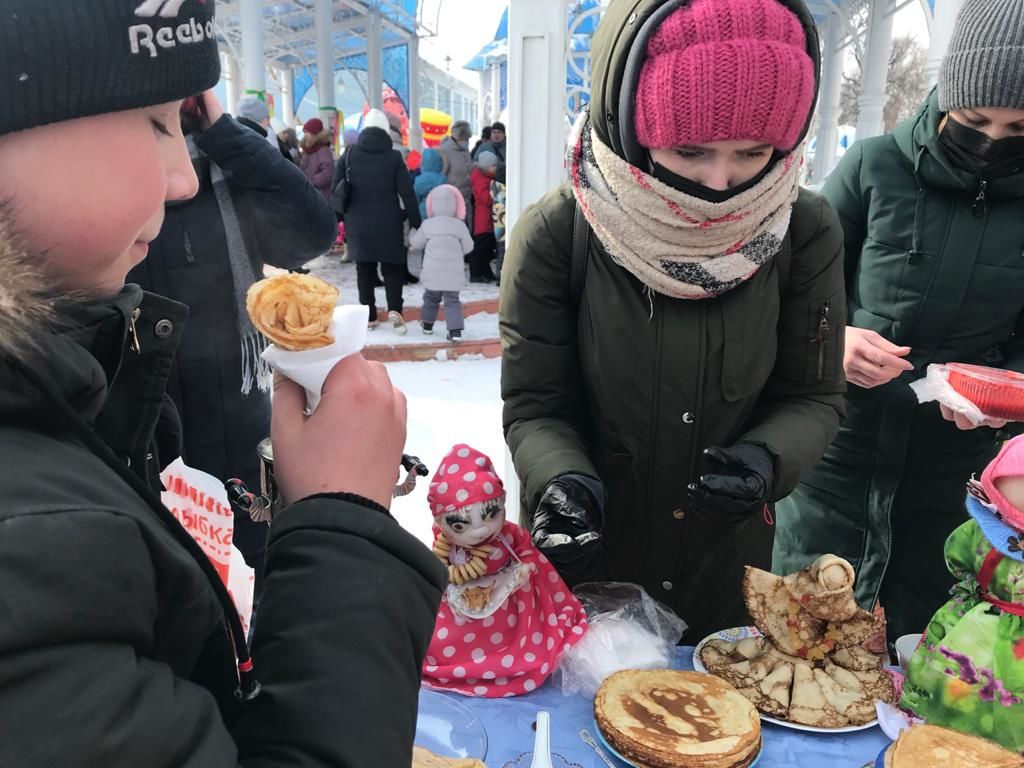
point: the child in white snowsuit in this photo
(445, 240)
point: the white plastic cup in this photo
(905, 647)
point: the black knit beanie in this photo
(62, 59)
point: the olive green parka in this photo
(631, 389)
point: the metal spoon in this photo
(542, 742)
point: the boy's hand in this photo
(352, 443)
(212, 108)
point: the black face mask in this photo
(693, 189)
(972, 151)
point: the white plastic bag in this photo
(311, 367)
(935, 387)
(627, 629)
(199, 502)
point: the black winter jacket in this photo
(378, 178)
(285, 223)
(113, 649)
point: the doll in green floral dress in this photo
(968, 671)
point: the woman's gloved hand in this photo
(736, 481)
(569, 518)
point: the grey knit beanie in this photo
(984, 66)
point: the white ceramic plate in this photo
(741, 633)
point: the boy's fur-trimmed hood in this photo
(25, 305)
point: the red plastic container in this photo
(998, 394)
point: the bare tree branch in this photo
(906, 85)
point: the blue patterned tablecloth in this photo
(509, 725)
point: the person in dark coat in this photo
(254, 207)
(485, 137)
(496, 143)
(317, 161)
(657, 411)
(931, 216)
(380, 199)
(120, 644)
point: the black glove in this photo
(569, 518)
(736, 482)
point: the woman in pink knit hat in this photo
(673, 318)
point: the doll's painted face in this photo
(474, 525)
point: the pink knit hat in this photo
(726, 70)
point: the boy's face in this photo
(88, 195)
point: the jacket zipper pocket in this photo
(822, 339)
(190, 257)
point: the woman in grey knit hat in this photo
(932, 217)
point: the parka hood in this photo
(432, 161)
(619, 52)
(446, 200)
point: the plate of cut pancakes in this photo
(804, 664)
(665, 718)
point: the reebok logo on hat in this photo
(167, 9)
(144, 37)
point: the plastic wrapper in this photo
(310, 368)
(935, 388)
(628, 629)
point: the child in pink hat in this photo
(507, 616)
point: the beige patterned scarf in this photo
(676, 244)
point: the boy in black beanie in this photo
(119, 645)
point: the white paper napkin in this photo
(310, 368)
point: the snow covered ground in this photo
(449, 403)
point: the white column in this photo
(876, 69)
(496, 78)
(415, 125)
(481, 118)
(324, 19)
(943, 22)
(537, 60)
(234, 82)
(828, 105)
(288, 97)
(254, 75)
(375, 60)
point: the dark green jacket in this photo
(923, 271)
(632, 390)
(113, 648)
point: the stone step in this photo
(469, 308)
(432, 350)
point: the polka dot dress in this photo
(514, 650)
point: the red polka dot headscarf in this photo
(465, 477)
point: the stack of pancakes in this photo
(929, 745)
(672, 719)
